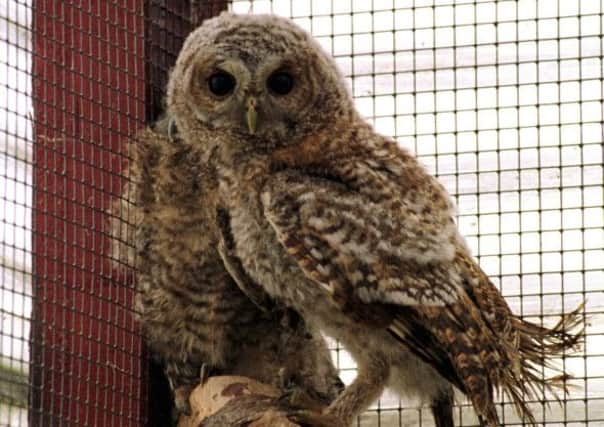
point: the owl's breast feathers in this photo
(368, 225)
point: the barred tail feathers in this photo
(536, 346)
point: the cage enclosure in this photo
(501, 100)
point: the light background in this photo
(16, 169)
(502, 100)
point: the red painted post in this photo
(88, 96)
(99, 70)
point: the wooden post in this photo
(88, 96)
(99, 71)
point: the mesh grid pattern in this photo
(88, 97)
(16, 169)
(502, 100)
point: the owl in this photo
(192, 312)
(346, 228)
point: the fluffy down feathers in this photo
(191, 310)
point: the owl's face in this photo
(257, 76)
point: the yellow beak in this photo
(251, 115)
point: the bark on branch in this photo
(233, 401)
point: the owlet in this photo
(347, 228)
(192, 312)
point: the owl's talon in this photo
(204, 374)
(295, 396)
(308, 418)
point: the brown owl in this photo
(347, 228)
(193, 314)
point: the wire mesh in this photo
(68, 340)
(502, 100)
(88, 97)
(15, 210)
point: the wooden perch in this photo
(233, 401)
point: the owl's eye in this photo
(280, 82)
(221, 83)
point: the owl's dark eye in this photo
(221, 83)
(280, 82)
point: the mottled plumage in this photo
(191, 310)
(344, 226)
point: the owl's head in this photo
(258, 77)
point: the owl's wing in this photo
(232, 264)
(354, 248)
(352, 245)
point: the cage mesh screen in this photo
(71, 91)
(502, 100)
(16, 170)
(88, 97)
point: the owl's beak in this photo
(251, 115)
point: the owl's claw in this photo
(204, 374)
(181, 399)
(308, 418)
(295, 396)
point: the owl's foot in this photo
(305, 417)
(181, 399)
(296, 397)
